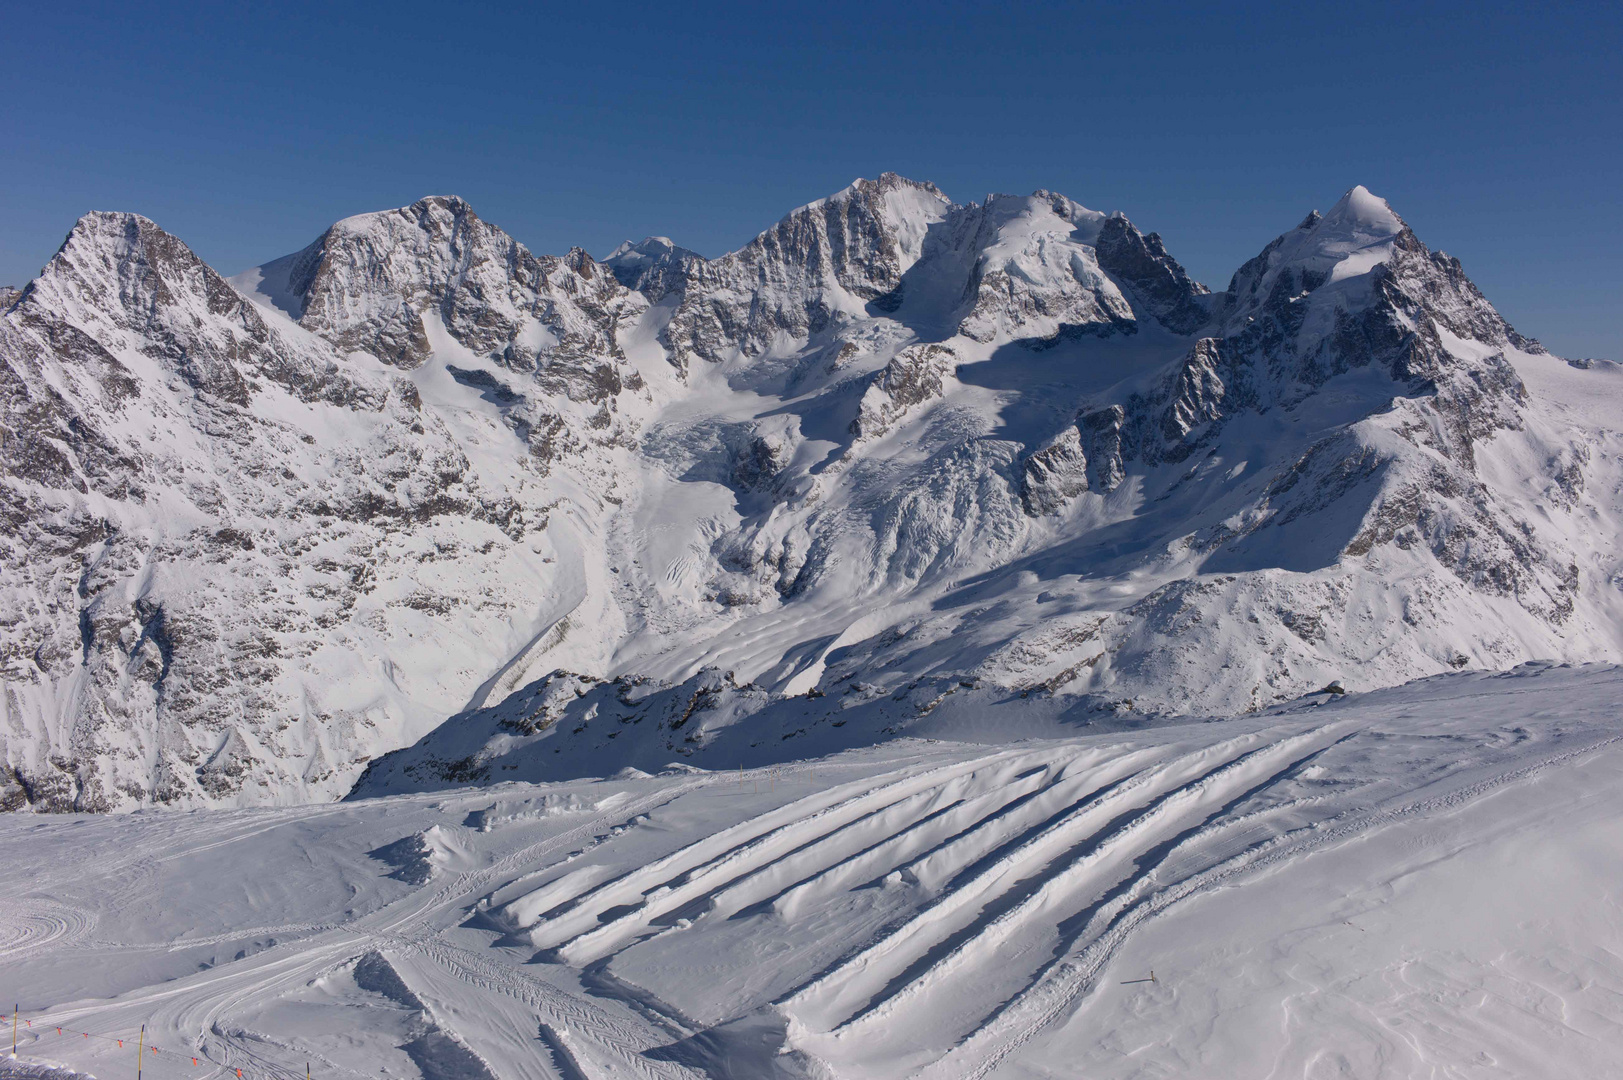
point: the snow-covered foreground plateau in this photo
(1422, 881)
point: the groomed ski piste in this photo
(1416, 882)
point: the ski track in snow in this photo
(914, 909)
(32, 924)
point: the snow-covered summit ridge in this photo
(653, 267)
(651, 249)
(1033, 265)
(896, 458)
(368, 281)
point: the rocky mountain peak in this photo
(863, 237)
(435, 214)
(1358, 282)
(1156, 279)
(822, 262)
(116, 262)
(120, 282)
(655, 267)
(873, 192)
(1347, 243)
(383, 283)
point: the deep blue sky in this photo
(1495, 130)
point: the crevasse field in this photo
(1416, 882)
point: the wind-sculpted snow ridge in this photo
(898, 465)
(1378, 885)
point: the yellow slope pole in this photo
(140, 1048)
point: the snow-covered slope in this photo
(1415, 882)
(895, 465)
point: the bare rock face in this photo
(656, 267)
(1054, 474)
(1142, 264)
(830, 258)
(417, 504)
(368, 282)
(914, 376)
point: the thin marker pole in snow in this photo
(140, 1048)
(14, 1009)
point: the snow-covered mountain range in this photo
(414, 507)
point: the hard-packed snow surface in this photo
(1422, 881)
(414, 507)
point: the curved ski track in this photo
(979, 894)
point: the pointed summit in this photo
(1358, 234)
(120, 273)
(1362, 210)
(378, 282)
(111, 255)
(1157, 280)
(654, 267)
(821, 263)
